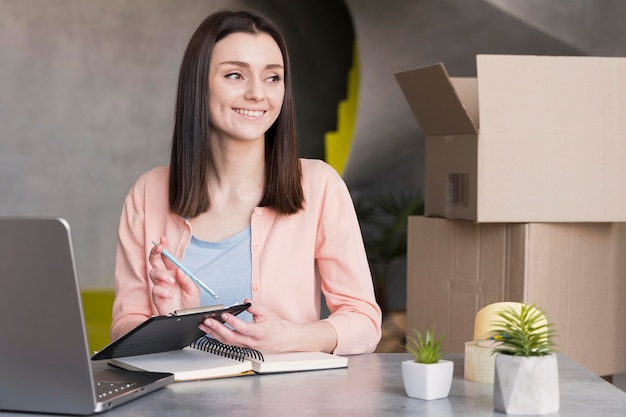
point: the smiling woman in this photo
(251, 219)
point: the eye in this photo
(274, 79)
(234, 76)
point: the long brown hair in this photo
(191, 149)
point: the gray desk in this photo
(371, 386)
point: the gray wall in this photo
(87, 90)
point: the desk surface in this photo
(370, 386)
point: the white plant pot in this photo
(427, 381)
(526, 385)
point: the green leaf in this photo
(523, 332)
(425, 348)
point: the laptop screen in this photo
(44, 354)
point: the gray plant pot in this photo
(526, 385)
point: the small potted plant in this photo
(526, 379)
(427, 376)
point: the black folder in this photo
(165, 333)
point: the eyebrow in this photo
(245, 64)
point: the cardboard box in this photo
(531, 139)
(576, 272)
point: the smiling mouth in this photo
(250, 113)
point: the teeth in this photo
(251, 113)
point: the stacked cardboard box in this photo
(525, 199)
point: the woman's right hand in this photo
(172, 290)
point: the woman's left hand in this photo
(268, 332)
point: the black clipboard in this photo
(165, 333)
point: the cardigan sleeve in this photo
(132, 303)
(346, 279)
(144, 217)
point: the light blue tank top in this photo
(225, 266)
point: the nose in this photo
(254, 90)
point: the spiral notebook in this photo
(208, 358)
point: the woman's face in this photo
(246, 86)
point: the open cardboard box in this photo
(576, 272)
(530, 139)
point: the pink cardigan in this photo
(293, 257)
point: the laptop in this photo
(45, 365)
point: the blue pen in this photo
(187, 272)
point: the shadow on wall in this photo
(400, 35)
(320, 38)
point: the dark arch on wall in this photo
(320, 37)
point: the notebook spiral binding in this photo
(208, 344)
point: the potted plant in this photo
(427, 376)
(526, 379)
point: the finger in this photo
(219, 331)
(257, 310)
(207, 327)
(241, 327)
(186, 284)
(157, 259)
(161, 276)
(161, 292)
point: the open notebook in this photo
(44, 356)
(207, 358)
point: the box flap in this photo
(467, 90)
(551, 94)
(434, 101)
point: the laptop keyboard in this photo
(110, 389)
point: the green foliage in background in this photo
(383, 221)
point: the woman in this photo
(242, 211)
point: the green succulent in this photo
(425, 348)
(523, 332)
